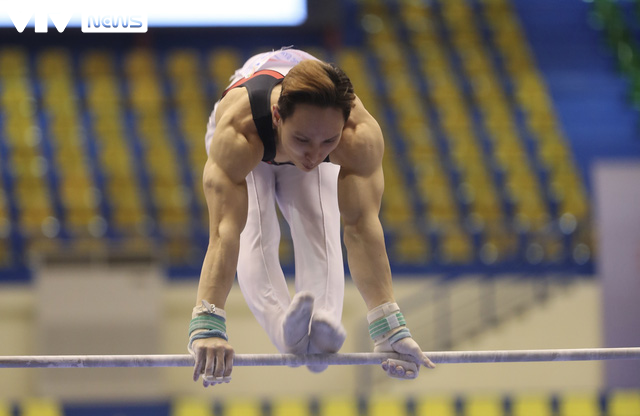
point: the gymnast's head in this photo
(315, 103)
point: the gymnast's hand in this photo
(213, 359)
(389, 332)
(404, 369)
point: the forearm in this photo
(368, 261)
(218, 270)
(227, 203)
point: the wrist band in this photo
(208, 334)
(207, 326)
(386, 324)
(209, 323)
(401, 334)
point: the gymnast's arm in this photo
(231, 158)
(360, 188)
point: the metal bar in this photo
(251, 360)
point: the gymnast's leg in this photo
(309, 203)
(260, 275)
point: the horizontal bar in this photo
(251, 360)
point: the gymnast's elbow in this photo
(226, 231)
(228, 207)
(361, 227)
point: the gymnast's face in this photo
(309, 135)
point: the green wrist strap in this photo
(386, 324)
(208, 322)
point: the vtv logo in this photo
(20, 16)
(112, 18)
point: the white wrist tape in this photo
(208, 309)
(382, 311)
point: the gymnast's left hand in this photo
(213, 359)
(404, 369)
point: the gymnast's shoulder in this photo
(235, 142)
(362, 145)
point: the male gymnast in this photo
(289, 130)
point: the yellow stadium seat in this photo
(13, 61)
(242, 408)
(222, 65)
(140, 62)
(579, 405)
(484, 406)
(339, 407)
(290, 407)
(41, 407)
(624, 403)
(130, 220)
(161, 163)
(531, 406)
(387, 407)
(436, 406)
(182, 63)
(456, 247)
(397, 215)
(411, 247)
(192, 407)
(97, 63)
(5, 409)
(53, 62)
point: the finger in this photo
(199, 363)
(392, 368)
(210, 366)
(427, 362)
(424, 360)
(413, 349)
(212, 381)
(228, 364)
(206, 381)
(403, 369)
(218, 370)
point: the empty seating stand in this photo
(107, 147)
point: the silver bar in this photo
(251, 360)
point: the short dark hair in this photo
(316, 83)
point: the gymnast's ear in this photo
(276, 118)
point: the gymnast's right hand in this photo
(213, 359)
(209, 346)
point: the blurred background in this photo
(511, 209)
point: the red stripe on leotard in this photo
(275, 74)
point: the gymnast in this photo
(289, 130)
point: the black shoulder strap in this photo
(259, 89)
